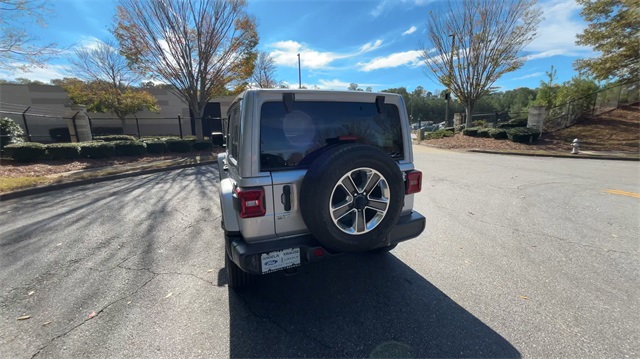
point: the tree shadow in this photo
(363, 305)
(98, 243)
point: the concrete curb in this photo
(132, 173)
(558, 156)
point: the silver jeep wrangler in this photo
(308, 175)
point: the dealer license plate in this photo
(278, 260)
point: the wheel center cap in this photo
(360, 202)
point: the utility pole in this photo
(299, 74)
(448, 94)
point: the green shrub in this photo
(185, 138)
(521, 122)
(63, 151)
(523, 134)
(498, 133)
(178, 145)
(202, 145)
(26, 151)
(114, 138)
(514, 123)
(10, 132)
(130, 148)
(60, 134)
(437, 134)
(449, 129)
(433, 135)
(97, 149)
(484, 132)
(156, 146)
(471, 131)
(106, 131)
(479, 123)
(506, 125)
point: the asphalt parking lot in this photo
(522, 257)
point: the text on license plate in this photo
(278, 260)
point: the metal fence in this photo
(605, 100)
(44, 125)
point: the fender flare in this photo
(229, 215)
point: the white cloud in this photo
(86, 42)
(377, 11)
(369, 46)
(323, 84)
(339, 85)
(411, 30)
(43, 74)
(285, 53)
(411, 58)
(535, 74)
(89, 42)
(385, 4)
(333, 84)
(557, 32)
(550, 53)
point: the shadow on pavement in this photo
(363, 305)
(83, 249)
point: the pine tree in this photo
(614, 31)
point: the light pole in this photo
(299, 74)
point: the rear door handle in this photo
(286, 197)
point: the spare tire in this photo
(351, 197)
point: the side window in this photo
(234, 132)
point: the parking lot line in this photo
(623, 193)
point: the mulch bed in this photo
(460, 141)
(11, 169)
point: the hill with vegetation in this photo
(617, 130)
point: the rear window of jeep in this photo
(293, 139)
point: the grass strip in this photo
(16, 183)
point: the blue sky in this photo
(368, 42)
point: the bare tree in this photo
(108, 82)
(264, 71)
(198, 46)
(103, 62)
(17, 48)
(474, 42)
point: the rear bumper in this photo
(248, 255)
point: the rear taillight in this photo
(251, 202)
(413, 182)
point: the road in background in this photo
(522, 257)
